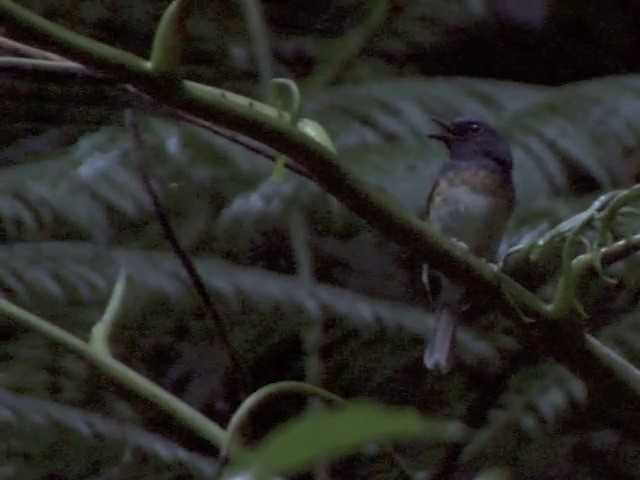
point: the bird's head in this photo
(470, 139)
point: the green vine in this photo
(98, 356)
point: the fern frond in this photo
(271, 205)
(549, 129)
(556, 133)
(84, 191)
(548, 393)
(400, 110)
(24, 412)
(32, 364)
(585, 126)
(33, 274)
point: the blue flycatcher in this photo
(471, 201)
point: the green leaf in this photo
(329, 434)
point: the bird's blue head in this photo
(469, 139)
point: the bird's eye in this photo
(474, 127)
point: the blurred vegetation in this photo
(307, 290)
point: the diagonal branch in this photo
(17, 48)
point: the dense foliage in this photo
(307, 290)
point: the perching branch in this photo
(17, 48)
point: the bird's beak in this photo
(444, 134)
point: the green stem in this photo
(11, 46)
(312, 333)
(620, 367)
(284, 94)
(125, 375)
(169, 40)
(82, 48)
(623, 199)
(259, 43)
(265, 393)
(347, 47)
(101, 331)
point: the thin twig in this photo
(18, 48)
(259, 35)
(613, 253)
(234, 137)
(237, 371)
(347, 47)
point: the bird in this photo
(471, 201)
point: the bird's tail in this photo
(439, 352)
